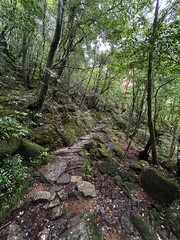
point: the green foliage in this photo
(11, 127)
(12, 177)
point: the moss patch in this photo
(69, 137)
(142, 226)
(109, 167)
(118, 151)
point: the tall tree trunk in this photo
(39, 103)
(150, 84)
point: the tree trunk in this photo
(39, 103)
(149, 86)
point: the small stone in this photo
(44, 195)
(64, 179)
(52, 204)
(76, 178)
(63, 195)
(57, 212)
(127, 225)
(44, 234)
(54, 171)
(87, 188)
(15, 232)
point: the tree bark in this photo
(40, 101)
(150, 84)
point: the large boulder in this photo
(172, 218)
(160, 187)
(48, 136)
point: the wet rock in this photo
(159, 186)
(58, 212)
(63, 195)
(15, 232)
(82, 227)
(87, 188)
(44, 195)
(127, 225)
(54, 171)
(44, 234)
(64, 179)
(172, 218)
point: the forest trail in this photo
(60, 203)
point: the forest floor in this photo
(56, 204)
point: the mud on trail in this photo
(61, 204)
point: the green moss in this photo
(48, 136)
(98, 138)
(160, 187)
(130, 186)
(135, 166)
(143, 163)
(142, 226)
(94, 230)
(118, 151)
(103, 153)
(33, 153)
(69, 137)
(109, 167)
(118, 180)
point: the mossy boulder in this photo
(98, 138)
(48, 136)
(143, 227)
(109, 167)
(118, 151)
(140, 165)
(8, 147)
(172, 218)
(160, 187)
(69, 136)
(30, 151)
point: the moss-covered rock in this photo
(142, 226)
(102, 153)
(8, 147)
(139, 166)
(109, 167)
(118, 180)
(172, 218)
(118, 151)
(135, 167)
(69, 136)
(30, 151)
(159, 186)
(130, 186)
(48, 136)
(98, 138)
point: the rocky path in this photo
(62, 206)
(58, 194)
